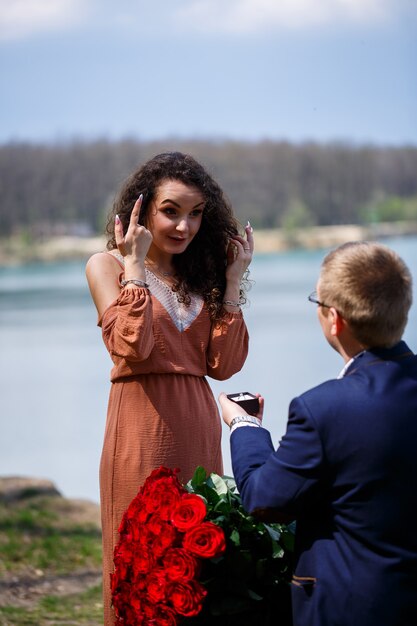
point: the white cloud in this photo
(22, 18)
(252, 16)
(25, 18)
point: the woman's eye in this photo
(196, 212)
(169, 211)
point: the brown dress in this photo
(161, 409)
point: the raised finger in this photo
(249, 236)
(134, 216)
(231, 252)
(118, 231)
(242, 244)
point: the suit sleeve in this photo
(228, 346)
(282, 479)
(127, 325)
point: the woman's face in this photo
(174, 217)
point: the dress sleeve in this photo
(228, 346)
(127, 325)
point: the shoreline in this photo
(66, 248)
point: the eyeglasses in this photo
(313, 298)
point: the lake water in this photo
(54, 369)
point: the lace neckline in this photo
(182, 315)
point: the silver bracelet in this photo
(231, 303)
(250, 419)
(134, 281)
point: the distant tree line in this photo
(69, 188)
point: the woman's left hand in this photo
(239, 255)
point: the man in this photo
(346, 469)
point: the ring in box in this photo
(246, 400)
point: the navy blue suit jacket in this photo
(346, 470)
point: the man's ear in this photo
(337, 322)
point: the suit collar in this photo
(374, 355)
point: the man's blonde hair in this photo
(371, 287)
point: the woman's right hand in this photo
(133, 245)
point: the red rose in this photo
(124, 552)
(134, 533)
(136, 601)
(130, 616)
(161, 535)
(186, 598)
(158, 615)
(180, 564)
(164, 497)
(136, 511)
(156, 585)
(190, 511)
(123, 523)
(165, 616)
(160, 472)
(157, 526)
(164, 542)
(121, 595)
(206, 540)
(121, 572)
(123, 559)
(143, 560)
(137, 582)
(161, 476)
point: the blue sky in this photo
(322, 70)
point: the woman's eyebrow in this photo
(168, 200)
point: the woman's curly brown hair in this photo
(200, 269)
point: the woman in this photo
(168, 295)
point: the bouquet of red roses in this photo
(163, 539)
(192, 554)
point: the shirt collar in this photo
(348, 364)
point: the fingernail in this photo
(249, 226)
(117, 219)
(140, 197)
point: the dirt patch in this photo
(26, 591)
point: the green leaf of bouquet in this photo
(220, 520)
(230, 482)
(288, 539)
(255, 596)
(208, 494)
(199, 477)
(218, 484)
(274, 533)
(277, 550)
(235, 537)
(222, 507)
(217, 559)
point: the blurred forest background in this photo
(67, 189)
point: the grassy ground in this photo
(82, 608)
(50, 566)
